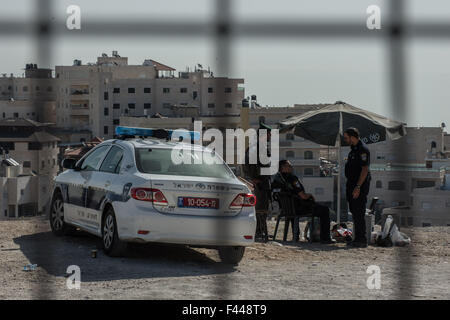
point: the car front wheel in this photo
(231, 255)
(112, 245)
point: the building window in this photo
(42, 164)
(116, 122)
(426, 224)
(228, 90)
(166, 105)
(183, 90)
(131, 105)
(425, 184)
(106, 111)
(147, 90)
(396, 185)
(228, 105)
(166, 90)
(49, 89)
(34, 146)
(22, 192)
(54, 161)
(37, 88)
(308, 171)
(16, 114)
(210, 90)
(105, 96)
(116, 90)
(116, 106)
(308, 155)
(379, 184)
(410, 221)
(27, 164)
(105, 130)
(25, 88)
(427, 205)
(131, 90)
(211, 105)
(290, 154)
(289, 136)
(147, 105)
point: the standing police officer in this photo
(358, 183)
(261, 182)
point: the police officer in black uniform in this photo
(285, 180)
(261, 182)
(358, 183)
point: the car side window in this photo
(112, 160)
(91, 161)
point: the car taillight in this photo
(150, 195)
(243, 200)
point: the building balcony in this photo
(79, 110)
(79, 90)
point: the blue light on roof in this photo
(157, 133)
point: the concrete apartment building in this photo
(31, 96)
(420, 164)
(92, 97)
(429, 207)
(31, 146)
(19, 194)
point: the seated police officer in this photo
(304, 202)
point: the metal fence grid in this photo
(393, 33)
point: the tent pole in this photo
(339, 182)
(341, 132)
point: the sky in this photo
(280, 71)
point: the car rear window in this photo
(159, 161)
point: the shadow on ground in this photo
(314, 246)
(55, 254)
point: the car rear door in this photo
(101, 186)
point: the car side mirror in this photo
(69, 164)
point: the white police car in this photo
(130, 190)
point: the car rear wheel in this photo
(56, 217)
(231, 255)
(112, 245)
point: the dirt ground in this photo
(272, 270)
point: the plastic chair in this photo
(287, 206)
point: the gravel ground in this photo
(268, 271)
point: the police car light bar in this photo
(157, 133)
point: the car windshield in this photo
(159, 161)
